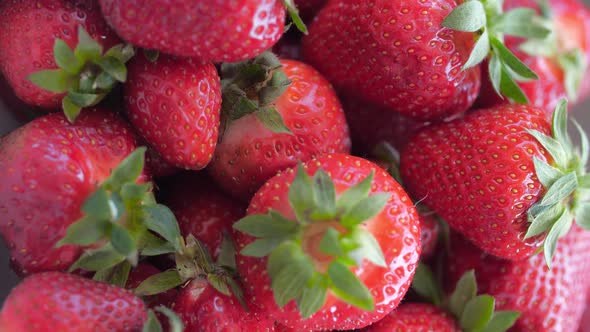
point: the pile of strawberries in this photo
(307, 165)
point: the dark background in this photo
(8, 121)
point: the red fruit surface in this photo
(572, 26)
(55, 301)
(416, 317)
(485, 161)
(204, 309)
(214, 31)
(249, 153)
(395, 54)
(548, 299)
(429, 229)
(202, 209)
(158, 167)
(371, 125)
(28, 30)
(49, 167)
(585, 322)
(396, 229)
(308, 8)
(174, 103)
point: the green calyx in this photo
(294, 14)
(572, 62)
(85, 73)
(251, 87)
(475, 313)
(193, 261)
(315, 251)
(567, 195)
(152, 323)
(487, 19)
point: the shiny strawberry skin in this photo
(486, 160)
(249, 154)
(158, 167)
(56, 301)
(215, 30)
(204, 309)
(202, 209)
(416, 317)
(174, 103)
(31, 27)
(548, 299)
(395, 54)
(49, 168)
(572, 20)
(396, 229)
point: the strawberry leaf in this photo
(159, 219)
(122, 242)
(347, 287)
(468, 17)
(426, 285)
(272, 120)
(325, 196)
(85, 231)
(266, 226)
(87, 49)
(159, 283)
(152, 323)
(53, 80)
(175, 322)
(82, 99)
(561, 188)
(520, 22)
(122, 52)
(65, 58)
(294, 14)
(261, 247)
(127, 171)
(574, 65)
(501, 321)
(478, 312)
(71, 110)
(510, 60)
(98, 259)
(301, 194)
(151, 245)
(368, 249)
(465, 291)
(330, 243)
(313, 297)
(546, 173)
(290, 277)
(116, 275)
(113, 67)
(544, 220)
(355, 194)
(560, 228)
(365, 209)
(480, 51)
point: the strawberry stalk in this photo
(487, 20)
(475, 313)
(315, 251)
(86, 74)
(566, 198)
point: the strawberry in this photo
(513, 185)
(416, 317)
(419, 59)
(139, 274)
(157, 166)
(201, 209)
(204, 309)
(55, 301)
(216, 31)
(40, 63)
(429, 230)
(347, 263)
(177, 113)
(548, 299)
(290, 113)
(585, 322)
(50, 168)
(560, 60)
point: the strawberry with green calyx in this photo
(86, 74)
(274, 113)
(215, 31)
(462, 311)
(517, 178)
(490, 23)
(31, 28)
(334, 232)
(119, 215)
(50, 167)
(549, 299)
(560, 59)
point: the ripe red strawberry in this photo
(204, 309)
(32, 30)
(174, 103)
(55, 301)
(585, 322)
(548, 299)
(49, 169)
(411, 56)
(157, 166)
(255, 146)
(215, 31)
(561, 61)
(363, 248)
(429, 229)
(202, 209)
(416, 317)
(510, 183)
